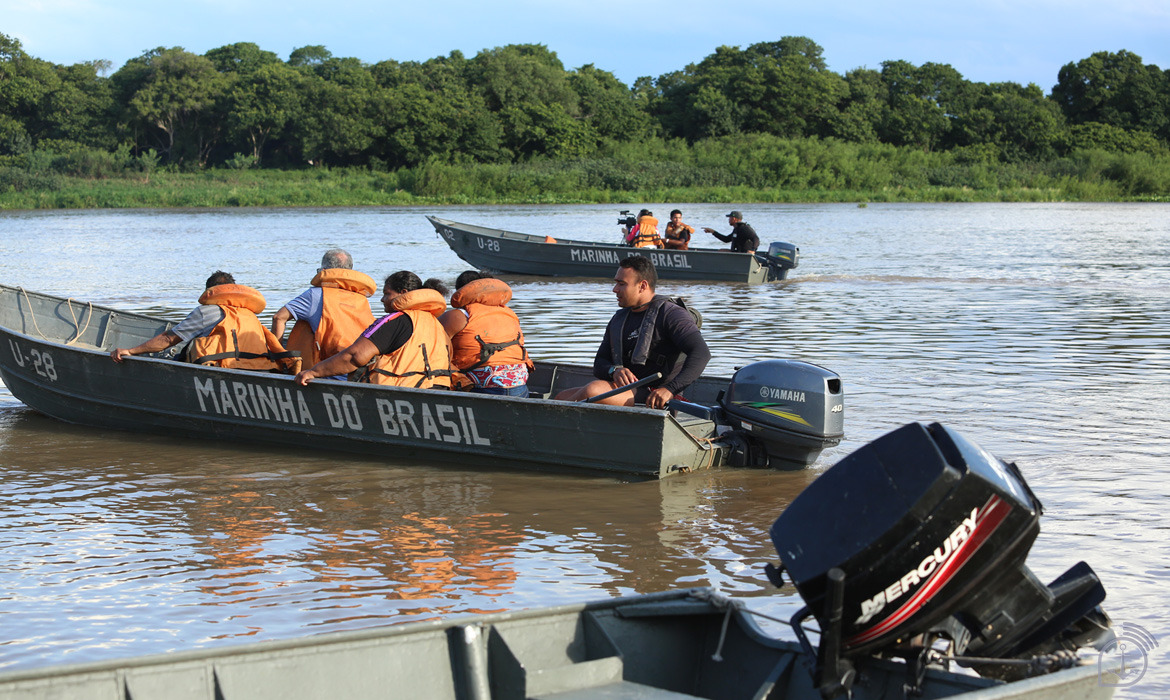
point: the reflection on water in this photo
(215, 542)
(1041, 332)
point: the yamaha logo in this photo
(774, 394)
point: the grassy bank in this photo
(763, 171)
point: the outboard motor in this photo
(787, 254)
(921, 535)
(780, 258)
(790, 409)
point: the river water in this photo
(1040, 331)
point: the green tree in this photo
(175, 101)
(527, 86)
(430, 112)
(45, 103)
(1115, 89)
(82, 109)
(1018, 121)
(26, 84)
(669, 100)
(780, 87)
(242, 57)
(859, 113)
(922, 102)
(342, 115)
(309, 56)
(608, 106)
(264, 103)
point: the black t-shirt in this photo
(390, 332)
(743, 238)
(675, 333)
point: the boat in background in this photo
(1021, 636)
(54, 356)
(497, 250)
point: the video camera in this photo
(628, 220)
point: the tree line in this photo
(240, 106)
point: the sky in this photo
(1021, 41)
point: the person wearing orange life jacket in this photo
(330, 314)
(678, 234)
(644, 234)
(487, 343)
(223, 330)
(407, 347)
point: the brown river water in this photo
(1039, 331)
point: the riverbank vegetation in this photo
(238, 126)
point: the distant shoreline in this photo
(360, 187)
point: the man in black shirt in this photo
(648, 334)
(743, 237)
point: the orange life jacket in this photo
(345, 313)
(239, 341)
(647, 235)
(674, 236)
(492, 336)
(424, 361)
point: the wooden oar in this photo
(641, 382)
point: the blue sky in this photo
(987, 41)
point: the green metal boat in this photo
(668, 646)
(529, 254)
(54, 356)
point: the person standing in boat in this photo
(649, 333)
(678, 235)
(743, 237)
(486, 340)
(407, 347)
(331, 313)
(223, 330)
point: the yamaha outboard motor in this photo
(789, 410)
(922, 535)
(787, 254)
(780, 258)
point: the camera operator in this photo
(643, 233)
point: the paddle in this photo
(641, 382)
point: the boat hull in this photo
(527, 254)
(54, 356)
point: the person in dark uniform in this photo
(743, 237)
(649, 333)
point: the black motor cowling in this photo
(792, 409)
(930, 533)
(785, 254)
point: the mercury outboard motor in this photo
(791, 410)
(922, 535)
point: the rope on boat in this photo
(69, 303)
(709, 445)
(1037, 665)
(728, 606)
(88, 318)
